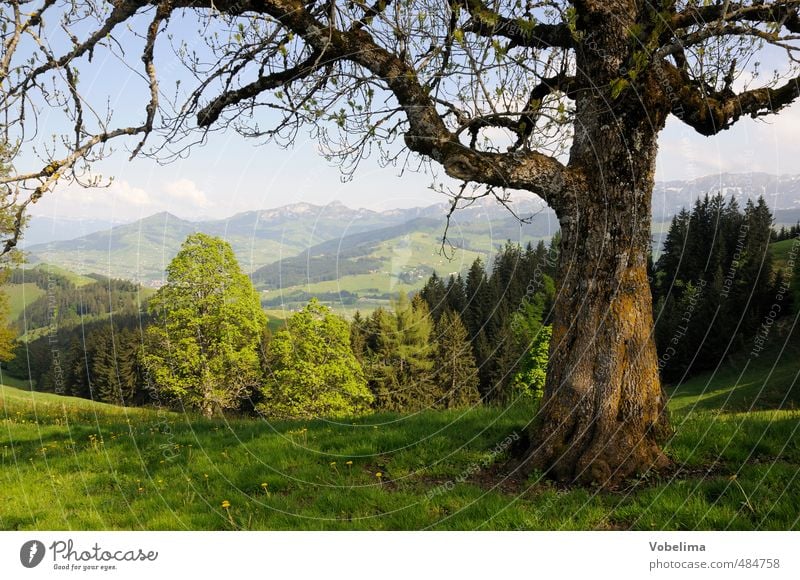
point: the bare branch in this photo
(711, 112)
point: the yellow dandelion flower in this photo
(264, 485)
(226, 504)
(379, 475)
(348, 463)
(333, 463)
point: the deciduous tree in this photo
(203, 341)
(312, 371)
(564, 99)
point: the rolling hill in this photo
(79, 464)
(141, 250)
(301, 248)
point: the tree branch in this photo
(784, 12)
(519, 31)
(711, 112)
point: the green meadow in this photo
(73, 464)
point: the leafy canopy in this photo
(312, 371)
(203, 345)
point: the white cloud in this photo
(109, 201)
(127, 194)
(186, 191)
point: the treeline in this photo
(487, 331)
(715, 286)
(342, 297)
(83, 341)
(41, 277)
(67, 305)
(99, 360)
(790, 233)
(204, 343)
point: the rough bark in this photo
(603, 412)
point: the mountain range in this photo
(301, 244)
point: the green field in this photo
(77, 279)
(784, 250)
(19, 296)
(74, 464)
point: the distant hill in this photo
(141, 250)
(301, 244)
(43, 229)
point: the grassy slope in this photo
(19, 296)
(70, 463)
(784, 250)
(418, 251)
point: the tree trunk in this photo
(603, 411)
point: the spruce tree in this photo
(402, 370)
(456, 373)
(668, 266)
(435, 295)
(358, 337)
(456, 294)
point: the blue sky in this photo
(232, 174)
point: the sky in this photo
(232, 174)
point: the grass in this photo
(75, 464)
(783, 251)
(77, 279)
(20, 296)
(769, 381)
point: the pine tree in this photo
(435, 295)
(456, 372)
(456, 294)
(358, 337)
(668, 266)
(795, 285)
(402, 371)
(77, 376)
(474, 315)
(104, 368)
(129, 369)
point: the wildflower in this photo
(226, 504)
(333, 464)
(265, 485)
(379, 475)
(348, 463)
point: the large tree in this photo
(311, 369)
(203, 344)
(564, 99)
